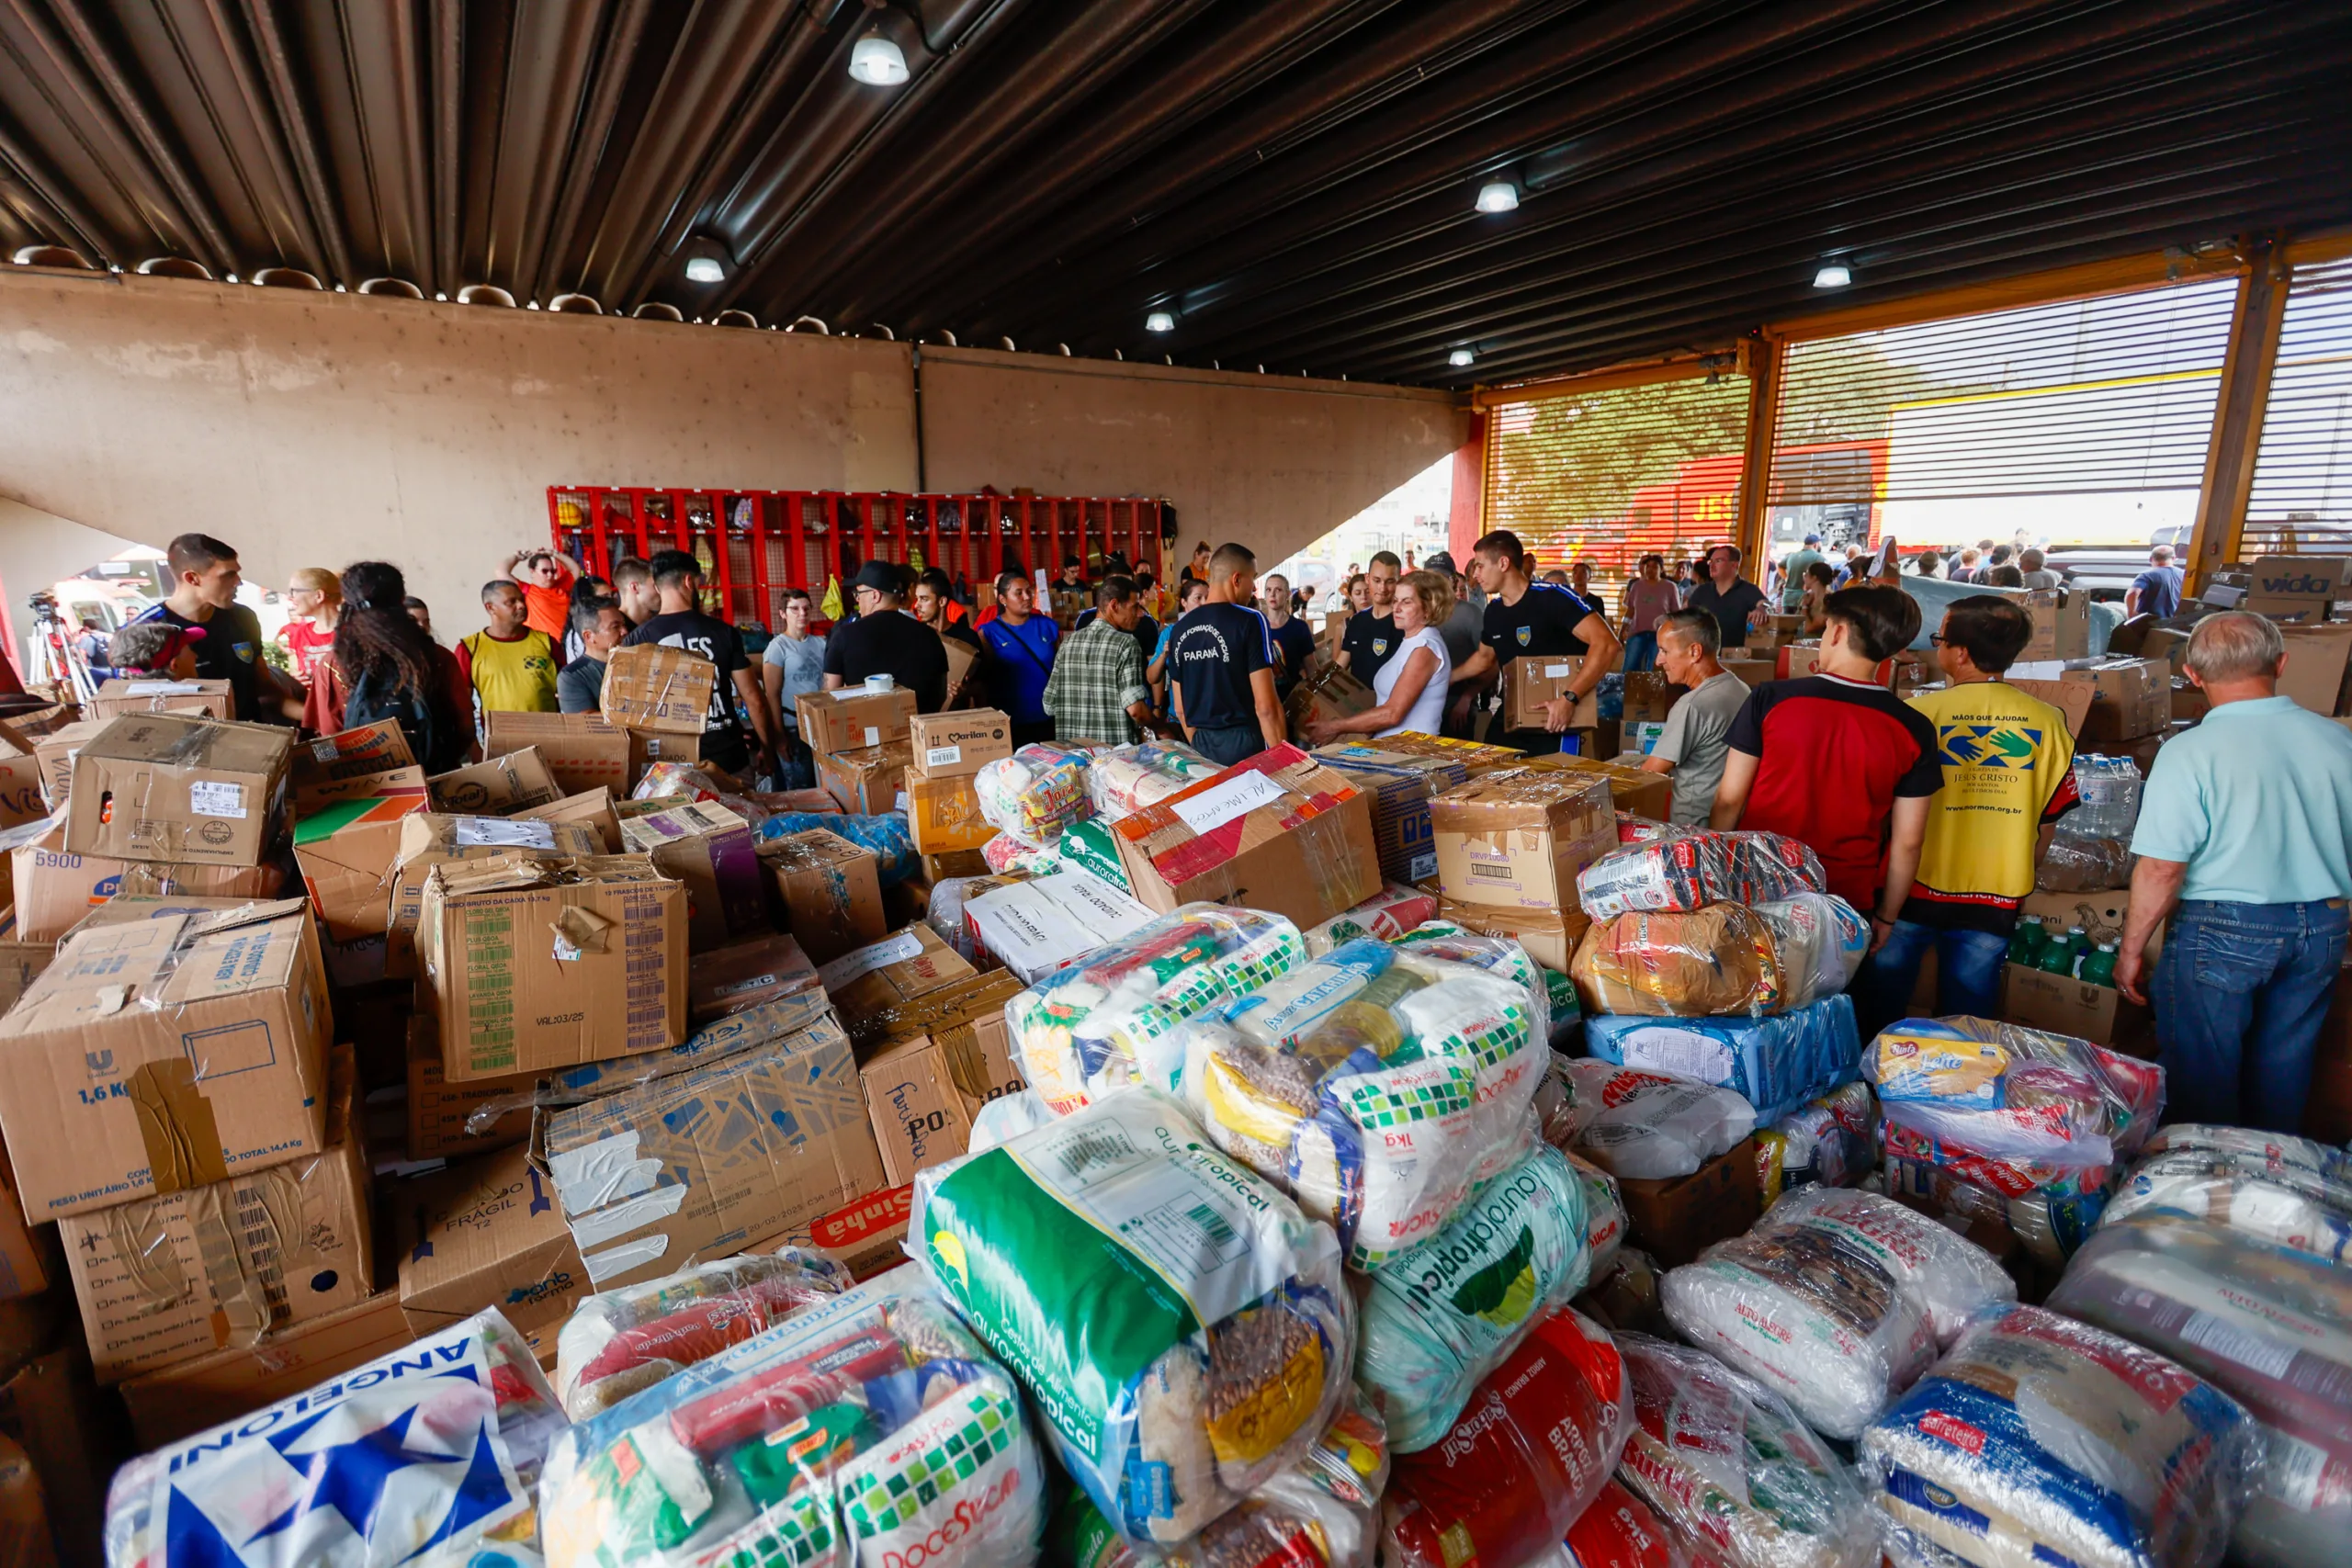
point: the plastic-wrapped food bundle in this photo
(2273, 1149)
(1440, 1315)
(1128, 778)
(663, 779)
(1646, 1126)
(1010, 852)
(886, 836)
(1689, 870)
(2041, 1439)
(2084, 865)
(2051, 1220)
(1777, 1063)
(2271, 1328)
(2288, 1205)
(870, 1429)
(1005, 1118)
(1184, 1327)
(1505, 957)
(1604, 1213)
(1679, 963)
(1828, 1139)
(1835, 1300)
(1375, 1085)
(1724, 1460)
(1528, 1456)
(1822, 941)
(1036, 792)
(1109, 1021)
(1982, 1095)
(1619, 1532)
(616, 1342)
(1386, 916)
(944, 914)
(426, 1456)
(1643, 829)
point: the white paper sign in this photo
(160, 689)
(873, 736)
(1558, 671)
(1036, 928)
(865, 960)
(211, 797)
(1223, 803)
(475, 832)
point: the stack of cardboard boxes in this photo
(946, 754)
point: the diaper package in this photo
(1646, 1126)
(1679, 963)
(1440, 1315)
(1777, 1063)
(1182, 1328)
(1126, 779)
(1036, 792)
(2040, 1438)
(1689, 869)
(1822, 941)
(870, 1429)
(616, 1342)
(2290, 1203)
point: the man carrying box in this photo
(1535, 620)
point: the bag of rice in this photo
(870, 1427)
(1679, 963)
(1646, 1126)
(1185, 1331)
(1822, 941)
(616, 1342)
(2289, 1205)
(1689, 869)
(1036, 792)
(2041, 1439)
(1777, 1063)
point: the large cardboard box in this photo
(1650, 696)
(2317, 675)
(54, 888)
(1401, 786)
(488, 1233)
(346, 850)
(697, 1164)
(665, 691)
(870, 986)
(181, 1401)
(2061, 624)
(157, 1055)
(957, 745)
(53, 756)
(1757, 671)
(1550, 936)
(168, 1279)
(832, 891)
(535, 965)
(1518, 837)
(746, 975)
(581, 750)
(334, 767)
(2100, 915)
(496, 786)
(2305, 586)
(923, 1091)
(1634, 791)
(595, 807)
(2129, 698)
(2072, 698)
(868, 1234)
(1327, 693)
(1675, 1219)
(1279, 832)
(1529, 682)
(866, 780)
(855, 717)
(139, 694)
(21, 962)
(430, 840)
(162, 786)
(711, 849)
(2064, 1005)
(943, 814)
(438, 1110)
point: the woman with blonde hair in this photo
(1410, 689)
(315, 596)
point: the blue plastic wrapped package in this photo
(1777, 1062)
(1441, 1315)
(2041, 1439)
(886, 836)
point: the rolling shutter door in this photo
(2302, 470)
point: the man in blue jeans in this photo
(2246, 824)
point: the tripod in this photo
(54, 658)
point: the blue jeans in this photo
(2239, 992)
(1641, 651)
(1968, 975)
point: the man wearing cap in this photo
(886, 640)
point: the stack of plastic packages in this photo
(893, 849)
(616, 1342)
(1645, 1126)
(1831, 1139)
(2041, 1439)
(1992, 1120)
(1836, 1300)
(1109, 1021)
(1689, 869)
(2289, 1191)
(1029, 798)
(870, 1427)
(1387, 915)
(2090, 848)
(1126, 779)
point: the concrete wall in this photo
(318, 429)
(37, 548)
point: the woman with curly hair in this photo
(386, 666)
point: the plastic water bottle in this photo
(2109, 789)
(2025, 944)
(2099, 966)
(2060, 956)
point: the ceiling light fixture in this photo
(1460, 357)
(1833, 274)
(705, 269)
(1499, 196)
(1160, 322)
(876, 61)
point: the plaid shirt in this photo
(1097, 673)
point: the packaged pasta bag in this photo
(1440, 1315)
(1690, 868)
(618, 1341)
(1648, 1127)
(871, 1427)
(1679, 963)
(1185, 1331)
(1126, 779)
(2042, 1439)
(1820, 940)
(1036, 792)
(1108, 1020)
(424, 1456)
(1374, 1085)
(1727, 1462)
(2290, 1205)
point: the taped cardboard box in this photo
(54, 888)
(832, 891)
(1550, 936)
(699, 1165)
(751, 1029)
(21, 962)
(872, 983)
(488, 1234)
(924, 1092)
(595, 807)
(869, 779)
(582, 750)
(195, 1395)
(2060, 1004)
(496, 786)
(1324, 693)
(2319, 668)
(1401, 786)
(1277, 831)
(429, 839)
(1529, 682)
(1518, 837)
(346, 850)
(745, 975)
(855, 717)
(54, 754)
(534, 965)
(121, 694)
(438, 1110)
(334, 767)
(664, 691)
(944, 815)
(2129, 698)
(168, 1279)
(710, 851)
(1634, 791)
(2061, 624)
(866, 1236)
(1650, 696)
(162, 786)
(156, 1055)
(957, 745)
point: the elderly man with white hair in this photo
(2246, 827)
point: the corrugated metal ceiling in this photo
(1293, 181)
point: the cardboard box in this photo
(139, 693)
(2072, 698)
(496, 786)
(647, 747)
(1550, 936)
(1529, 682)
(696, 1166)
(1277, 831)
(749, 973)
(53, 889)
(872, 983)
(181, 1401)
(711, 849)
(581, 750)
(595, 807)
(2064, 1005)
(924, 1092)
(1034, 928)
(1650, 696)
(944, 815)
(832, 891)
(1322, 693)
(957, 745)
(1632, 790)
(1474, 756)
(1518, 837)
(2317, 675)
(205, 792)
(488, 1234)
(2304, 587)
(23, 1269)
(1755, 672)
(759, 1025)
(2061, 624)
(346, 850)
(866, 780)
(1675, 1220)
(156, 1055)
(662, 689)
(168, 1279)
(533, 965)
(334, 767)
(962, 659)
(53, 757)
(21, 962)
(1401, 786)
(430, 840)
(1801, 659)
(938, 868)
(21, 797)
(855, 717)
(2129, 698)
(437, 1109)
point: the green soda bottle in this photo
(2025, 944)
(2061, 953)
(2099, 966)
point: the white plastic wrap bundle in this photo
(2288, 1203)
(1036, 792)
(1126, 779)
(1822, 940)
(618, 1341)
(1646, 1126)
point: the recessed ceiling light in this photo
(1460, 357)
(1499, 196)
(876, 61)
(1833, 274)
(1160, 322)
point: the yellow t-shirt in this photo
(2008, 760)
(513, 677)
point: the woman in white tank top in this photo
(1410, 689)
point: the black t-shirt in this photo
(1298, 645)
(229, 651)
(1730, 610)
(1543, 624)
(712, 638)
(1370, 641)
(1215, 650)
(893, 644)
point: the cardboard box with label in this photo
(832, 891)
(534, 965)
(1401, 786)
(161, 1055)
(2301, 588)
(855, 717)
(120, 694)
(162, 786)
(1550, 936)
(711, 849)
(346, 850)
(193, 1396)
(334, 767)
(866, 780)
(924, 1090)
(1518, 837)
(595, 807)
(1323, 694)
(438, 1110)
(1530, 680)
(581, 750)
(2062, 1004)
(1634, 791)
(746, 975)
(2129, 698)
(1280, 831)
(957, 745)
(696, 1166)
(488, 1233)
(1034, 928)
(168, 1279)
(53, 889)
(870, 986)
(2061, 624)
(663, 690)
(944, 815)
(868, 1234)
(429, 839)
(496, 786)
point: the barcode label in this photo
(2267, 1356)
(942, 756)
(1492, 873)
(1213, 1224)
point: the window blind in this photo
(2303, 469)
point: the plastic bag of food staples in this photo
(1725, 1462)
(2273, 1150)
(1036, 792)
(1820, 940)
(1374, 1086)
(1679, 963)
(1440, 1315)
(1527, 1457)
(1828, 1139)
(2006, 1093)
(870, 1429)
(2288, 1205)
(1777, 1063)
(1689, 870)
(2041, 1439)
(426, 1456)
(1127, 778)
(1387, 915)
(1109, 1021)
(1182, 1326)
(616, 1342)
(1619, 1531)
(1008, 854)
(1646, 1126)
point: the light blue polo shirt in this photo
(2257, 799)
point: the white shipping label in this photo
(158, 688)
(873, 736)
(1222, 803)
(476, 832)
(865, 960)
(211, 797)
(1424, 865)
(1558, 671)
(902, 804)
(942, 756)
